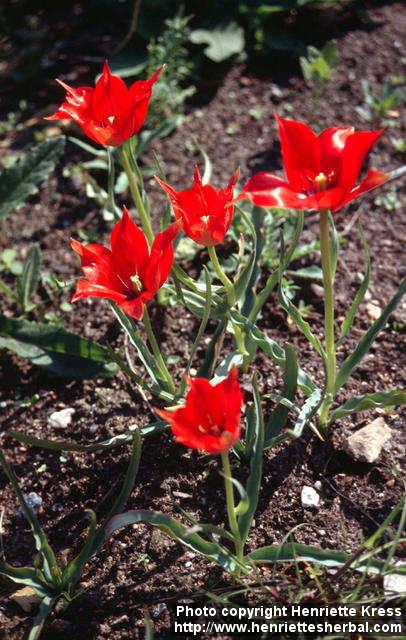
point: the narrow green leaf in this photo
(22, 179)
(51, 569)
(247, 282)
(367, 339)
(184, 535)
(279, 416)
(307, 412)
(66, 445)
(293, 311)
(313, 272)
(271, 349)
(125, 491)
(233, 359)
(212, 352)
(392, 398)
(73, 572)
(55, 349)
(254, 479)
(202, 327)
(351, 312)
(27, 282)
(44, 610)
(146, 357)
(299, 320)
(27, 576)
(293, 551)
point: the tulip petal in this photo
(133, 307)
(356, 148)
(160, 261)
(86, 289)
(300, 153)
(331, 144)
(372, 180)
(129, 248)
(98, 265)
(267, 190)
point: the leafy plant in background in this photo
(377, 106)
(56, 582)
(318, 65)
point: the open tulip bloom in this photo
(128, 273)
(205, 213)
(210, 419)
(109, 113)
(321, 171)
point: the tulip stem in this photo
(328, 284)
(232, 518)
(136, 195)
(156, 350)
(228, 285)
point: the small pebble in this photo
(395, 582)
(373, 311)
(309, 497)
(158, 609)
(61, 419)
(34, 501)
(317, 290)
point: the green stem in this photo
(156, 350)
(136, 195)
(228, 285)
(328, 284)
(230, 293)
(232, 518)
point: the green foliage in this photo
(317, 66)
(22, 180)
(222, 41)
(55, 349)
(28, 281)
(169, 93)
(377, 105)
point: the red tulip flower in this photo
(210, 419)
(205, 213)
(128, 273)
(321, 171)
(109, 113)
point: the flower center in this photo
(321, 181)
(205, 220)
(212, 430)
(136, 281)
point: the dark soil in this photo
(138, 569)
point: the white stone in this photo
(373, 311)
(34, 501)
(395, 582)
(61, 419)
(366, 443)
(309, 497)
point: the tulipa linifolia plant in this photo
(139, 267)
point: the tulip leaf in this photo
(367, 339)
(351, 312)
(28, 281)
(256, 456)
(146, 357)
(392, 398)
(55, 349)
(43, 612)
(223, 40)
(74, 570)
(23, 178)
(28, 576)
(299, 320)
(212, 351)
(66, 445)
(233, 359)
(271, 349)
(292, 310)
(247, 285)
(202, 327)
(184, 535)
(279, 416)
(296, 552)
(50, 566)
(313, 272)
(307, 412)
